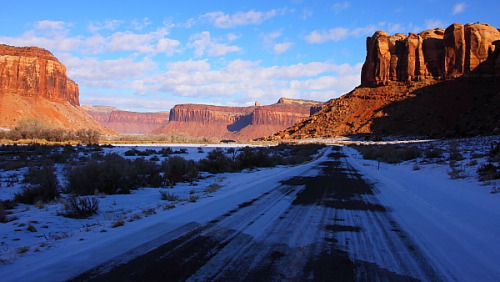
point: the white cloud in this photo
(306, 13)
(268, 38)
(140, 24)
(459, 8)
(279, 48)
(57, 25)
(105, 25)
(338, 7)
(223, 20)
(249, 81)
(56, 41)
(203, 43)
(334, 34)
(431, 24)
(153, 43)
(92, 72)
(340, 33)
(232, 37)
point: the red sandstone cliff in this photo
(33, 84)
(432, 55)
(238, 123)
(441, 82)
(126, 122)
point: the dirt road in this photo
(326, 224)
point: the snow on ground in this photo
(454, 221)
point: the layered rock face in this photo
(126, 122)
(438, 83)
(35, 72)
(471, 49)
(238, 123)
(33, 84)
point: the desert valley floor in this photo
(338, 217)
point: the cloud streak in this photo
(459, 8)
(223, 20)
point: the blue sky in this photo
(150, 55)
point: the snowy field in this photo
(454, 219)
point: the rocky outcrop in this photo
(238, 123)
(437, 54)
(33, 84)
(438, 83)
(126, 122)
(35, 72)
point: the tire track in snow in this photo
(324, 227)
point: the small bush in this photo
(110, 176)
(177, 169)
(488, 172)
(3, 214)
(81, 207)
(31, 227)
(43, 186)
(389, 153)
(167, 196)
(212, 188)
(217, 162)
(433, 153)
(118, 223)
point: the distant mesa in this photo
(34, 85)
(236, 123)
(127, 122)
(438, 83)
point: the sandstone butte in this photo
(236, 123)
(126, 122)
(34, 84)
(438, 83)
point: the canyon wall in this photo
(35, 72)
(238, 123)
(33, 84)
(437, 54)
(126, 122)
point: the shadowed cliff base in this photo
(438, 83)
(466, 106)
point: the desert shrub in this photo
(167, 196)
(494, 153)
(81, 207)
(454, 152)
(389, 153)
(110, 176)
(131, 152)
(488, 171)
(144, 173)
(177, 169)
(253, 157)
(166, 151)
(193, 198)
(118, 223)
(433, 152)
(43, 186)
(216, 162)
(3, 213)
(212, 188)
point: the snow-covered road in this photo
(324, 223)
(339, 217)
